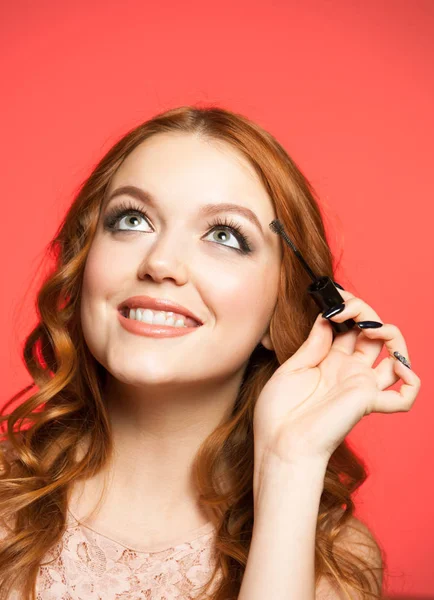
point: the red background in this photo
(347, 87)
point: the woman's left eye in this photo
(236, 231)
(138, 215)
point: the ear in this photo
(266, 341)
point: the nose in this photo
(165, 260)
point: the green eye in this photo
(137, 214)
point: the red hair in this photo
(66, 403)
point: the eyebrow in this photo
(207, 209)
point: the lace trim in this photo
(174, 544)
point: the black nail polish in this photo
(369, 324)
(338, 285)
(402, 359)
(330, 312)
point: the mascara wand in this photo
(322, 289)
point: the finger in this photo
(346, 295)
(345, 342)
(390, 401)
(394, 340)
(313, 350)
(367, 349)
(385, 373)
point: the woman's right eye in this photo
(132, 218)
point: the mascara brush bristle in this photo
(277, 227)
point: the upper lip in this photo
(157, 304)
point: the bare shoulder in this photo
(358, 539)
(7, 447)
(355, 531)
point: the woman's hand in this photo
(317, 396)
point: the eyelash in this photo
(125, 208)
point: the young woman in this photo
(185, 435)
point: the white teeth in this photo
(147, 315)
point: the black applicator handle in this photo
(326, 295)
(322, 289)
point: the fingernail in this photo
(333, 311)
(369, 324)
(402, 359)
(338, 285)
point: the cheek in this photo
(102, 280)
(245, 295)
(102, 274)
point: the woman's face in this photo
(176, 253)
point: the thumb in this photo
(314, 349)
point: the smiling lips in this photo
(154, 330)
(158, 304)
(153, 317)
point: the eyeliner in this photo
(322, 289)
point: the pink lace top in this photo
(87, 565)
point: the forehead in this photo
(187, 166)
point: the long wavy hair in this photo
(66, 394)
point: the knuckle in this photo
(354, 300)
(394, 329)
